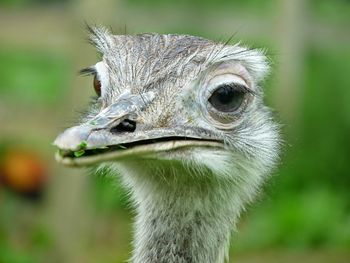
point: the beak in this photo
(94, 142)
(79, 137)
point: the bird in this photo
(182, 121)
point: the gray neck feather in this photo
(181, 217)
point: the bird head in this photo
(174, 98)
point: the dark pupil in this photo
(227, 98)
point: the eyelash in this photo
(88, 71)
(235, 86)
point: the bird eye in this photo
(227, 98)
(97, 85)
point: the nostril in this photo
(125, 126)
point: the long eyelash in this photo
(241, 88)
(88, 71)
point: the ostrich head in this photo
(182, 120)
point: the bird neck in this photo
(182, 217)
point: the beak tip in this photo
(72, 139)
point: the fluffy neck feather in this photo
(183, 215)
(183, 227)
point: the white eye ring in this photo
(102, 73)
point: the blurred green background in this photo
(53, 214)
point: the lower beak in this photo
(120, 152)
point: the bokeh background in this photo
(50, 213)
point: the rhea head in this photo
(173, 97)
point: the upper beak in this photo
(78, 137)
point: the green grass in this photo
(254, 6)
(32, 77)
(335, 10)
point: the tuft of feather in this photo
(101, 38)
